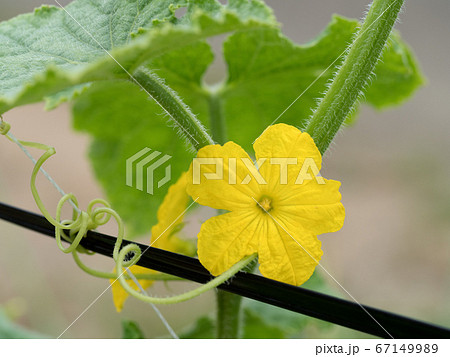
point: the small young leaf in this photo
(131, 330)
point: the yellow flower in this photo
(170, 220)
(276, 210)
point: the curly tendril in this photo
(73, 230)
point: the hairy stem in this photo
(353, 75)
(228, 304)
(229, 310)
(180, 114)
(228, 314)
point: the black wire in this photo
(307, 302)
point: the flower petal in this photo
(226, 191)
(280, 142)
(315, 207)
(170, 216)
(119, 293)
(226, 239)
(287, 257)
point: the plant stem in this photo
(228, 314)
(228, 304)
(189, 126)
(354, 73)
(217, 120)
(229, 309)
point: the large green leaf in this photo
(51, 50)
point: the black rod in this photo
(297, 299)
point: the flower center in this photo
(265, 203)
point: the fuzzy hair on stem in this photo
(353, 76)
(180, 115)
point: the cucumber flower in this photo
(164, 236)
(277, 205)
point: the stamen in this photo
(265, 203)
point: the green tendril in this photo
(111, 275)
(73, 230)
(131, 248)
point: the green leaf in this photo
(10, 330)
(203, 328)
(51, 50)
(255, 326)
(397, 76)
(131, 330)
(68, 94)
(122, 122)
(183, 70)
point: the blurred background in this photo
(393, 252)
